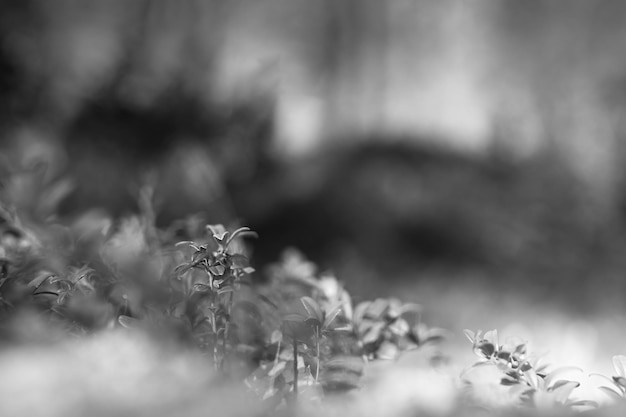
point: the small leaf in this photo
(354, 364)
(128, 322)
(399, 327)
(558, 372)
(492, 336)
(373, 334)
(217, 269)
(485, 349)
(411, 308)
(294, 318)
(201, 287)
(387, 350)
(619, 362)
(377, 309)
(194, 245)
(359, 311)
(225, 290)
(470, 335)
(611, 393)
(434, 335)
(40, 279)
(532, 379)
(218, 231)
(606, 379)
(239, 261)
(620, 381)
(313, 308)
(583, 403)
(277, 369)
(564, 390)
(331, 315)
(508, 382)
(241, 231)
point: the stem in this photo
(229, 306)
(277, 353)
(215, 354)
(317, 356)
(295, 368)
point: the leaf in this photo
(331, 315)
(201, 287)
(239, 261)
(377, 309)
(519, 390)
(277, 369)
(218, 232)
(434, 335)
(225, 290)
(359, 311)
(373, 334)
(354, 364)
(532, 379)
(559, 371)
(470, 335)
(217, 269)
(564, 390)
(387, 350)
(394, 309)
(485, 349)
(182, 269)
(40, 279)
(620, 381)
(268, 301)
(399, 327)
(492, 336)
(193, 245)
(128, 322)
(583, 403)
(294, 318)
(411, 308)
(619, 362)
(611, 393)
(241, 231)
(313, 308)
(610, 381)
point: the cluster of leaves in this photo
(295, 333)
(532, 383)
(323, 341)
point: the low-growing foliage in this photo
(293, 337)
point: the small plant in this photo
(210, 293)
(323, 342)
(529, 381)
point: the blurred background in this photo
(467, 156)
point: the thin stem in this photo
(229, 305)
(215, 353)
(295, 368)
(317, 356)
(277, 353)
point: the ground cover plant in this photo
(119, 317)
